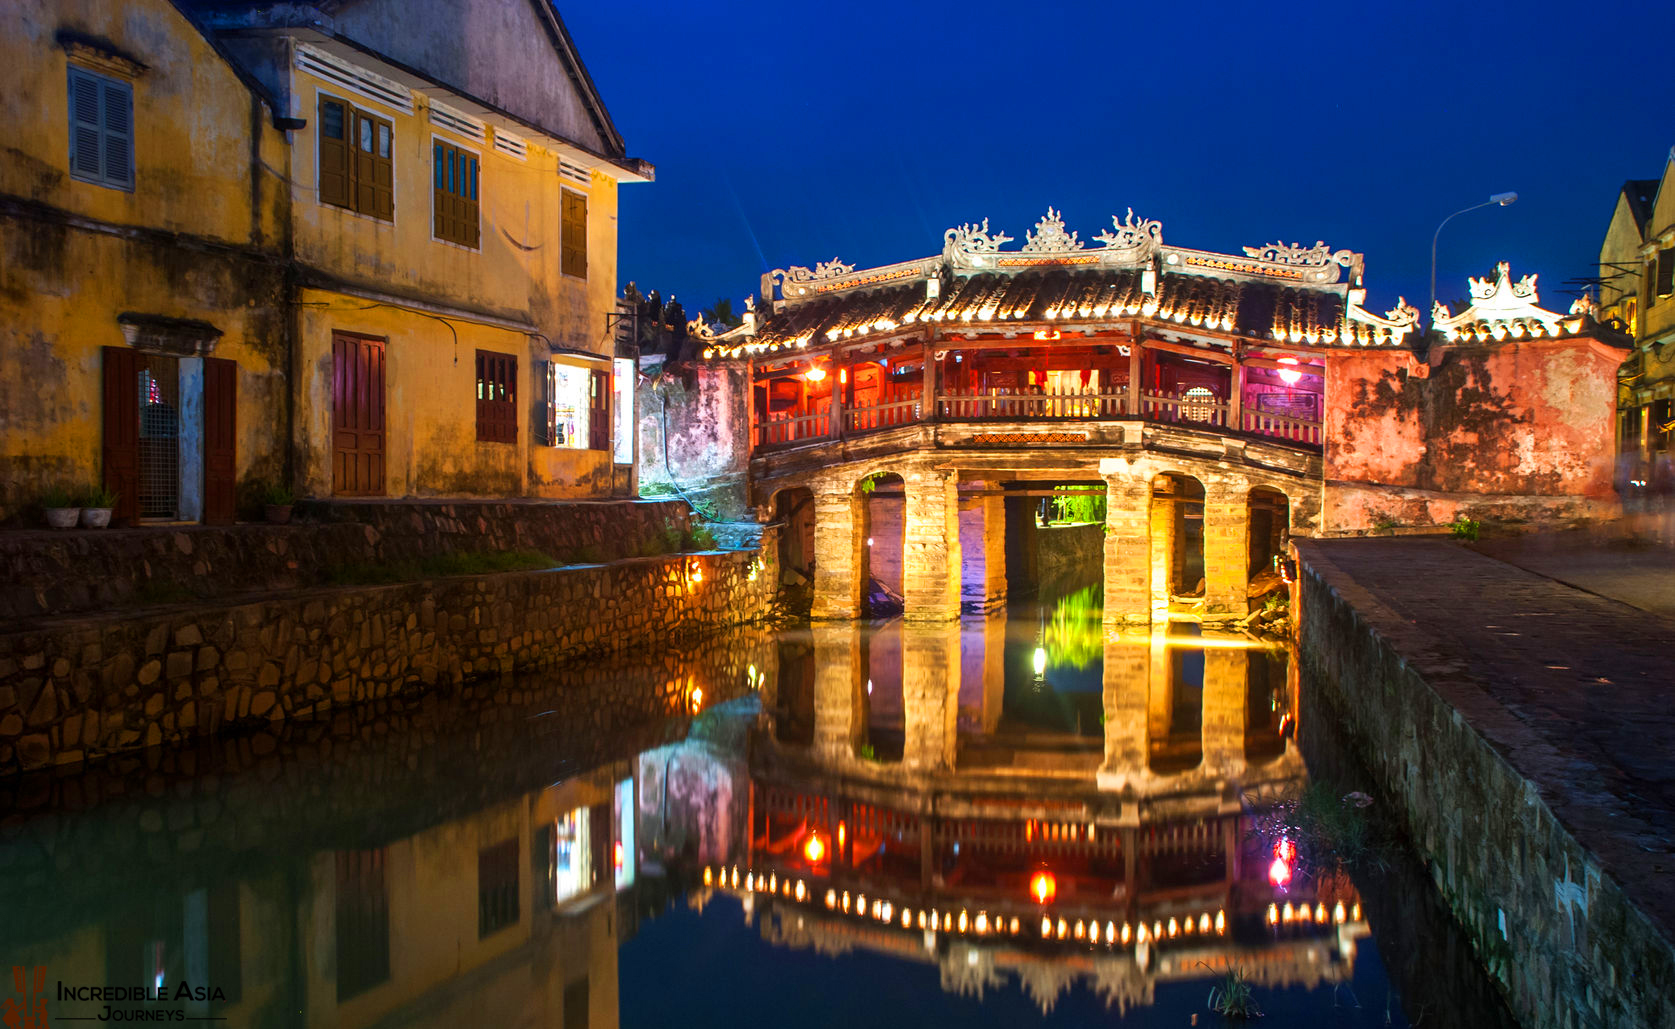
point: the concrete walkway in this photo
(1638, 573)
(1575, 689)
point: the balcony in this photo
(1192, 408)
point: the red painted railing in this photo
(994, 405)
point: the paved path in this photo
(1577, 690)
(1640, 574)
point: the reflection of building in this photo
(997, 845)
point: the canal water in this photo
(1022, 819)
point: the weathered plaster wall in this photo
(707, 449)
(196, 237)
(1517, 429)
(69, 691)
(1574, 949)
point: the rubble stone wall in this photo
(80, 688)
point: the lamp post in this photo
(1498, 199)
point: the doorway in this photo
(357, 415)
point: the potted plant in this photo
(56, 504)
(277, 502)
(96, 505)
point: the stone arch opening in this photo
(1175, 709)
(1267, 706)
(882, 700)
(793, 690)
(1270, 528)
(1177, 537)
(793, 512)
(883, 502)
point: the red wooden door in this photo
(122, 430)
(220, 440)
(357, 415)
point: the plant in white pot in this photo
(96, 505)
(56, 503)
(277, 503)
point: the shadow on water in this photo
(1021, 818)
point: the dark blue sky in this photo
(789, 133)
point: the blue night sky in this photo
(789, 133)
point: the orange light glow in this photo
(814, 849)
(1288, 376)
(618, 855)
(1279, 873)
(843, 834)
(1047, 334)
(696, 700)
(815, 374)
(1043, 886)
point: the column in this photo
(1236, 397)
(1226, 693)
(931, 548)
(1127, 556)
(837, 553)
(1127, 683)
(1226, 547)
(838, 718)
(1165, 511)
(930, 659)
(983, 549)
(1136, 368)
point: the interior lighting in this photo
(963, 921)
(1012, 927)
(696, 703)
(1043, 886)
(831, 899)
(843, 833)
(1287, 375)
(1127, 934)
(982, 923)
(814, 849)
(1204, 923)
(1320, 913)
(1221, 923)
(1063, 927)
(815, 374)
(1174, 929)
(1046, 927)
(1273, 914)
(802, 891)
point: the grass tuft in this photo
(1233, 996)
(478, 562)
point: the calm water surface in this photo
(1020, 820)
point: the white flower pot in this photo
(95, 517)
(63, 517)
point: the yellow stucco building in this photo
(365, 250)
(1637, 293)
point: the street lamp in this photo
(1498, 199)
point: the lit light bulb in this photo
(1287, 375)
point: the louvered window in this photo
(497, 397)
(456, 194)
(1666, 271)
(101, 129)
(573, 234)
(357, 160)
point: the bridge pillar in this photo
(838, 715)
(837, 554)
(1226, 547)
(1226, 695)
(931, 548)
(1128, 568)
(1127, 686)
(983, 550)
(930, 658)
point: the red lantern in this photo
(1043, 887)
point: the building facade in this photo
(403, 224)
(1637, 295)
(1220, 401)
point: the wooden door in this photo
(357, 416)
(122, 430)
(220, 440)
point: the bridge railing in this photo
(781, 430)
(1280, 426)
(1050, 405)
(1183, 409)
(905, 410)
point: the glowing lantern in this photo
(1287, 375)
(843, 833)
(696, 701)
(1279, 872)
(815, 374)
(814, 849)
(1046, 926)
(1285, 850)
(1043, 886)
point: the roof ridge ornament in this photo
(1131, 234)
(1318, 256)
(1049, 236)
(974, 239)
(1502, 308)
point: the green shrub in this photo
(277, 495)
(1233, 997)
(700, 538)
(1464, 528)
(98, 496)
(57, 496)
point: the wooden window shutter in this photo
(573, 233)
(119, 133)
(497, 397)
(383, 170)
(470, 226)
(86, 129)
(122, 429)
(1666, 271)
(220, 440)
(455, 192)
(335, 126)
(101, 129)
(599, 409)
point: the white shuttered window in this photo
(101, 129)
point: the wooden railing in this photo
(979, 406)
(1183, 410)
(778, 430)
(903, 411)
(958, 406)
(1279, 426)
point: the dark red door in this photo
(357, 415)
(122, 430)
(220, 440)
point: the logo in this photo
(31, 1011)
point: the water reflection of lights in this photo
(1040, 660)
(1043, 886)
(814, 849)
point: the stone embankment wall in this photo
(48, 573)
(75, 689)
(1563, 940)
(1069, 548)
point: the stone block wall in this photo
(48, 573)
(1069, 549)
(1563, 940)
(78, 689)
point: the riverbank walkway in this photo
(1560, 651)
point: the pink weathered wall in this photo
(1521, 429)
